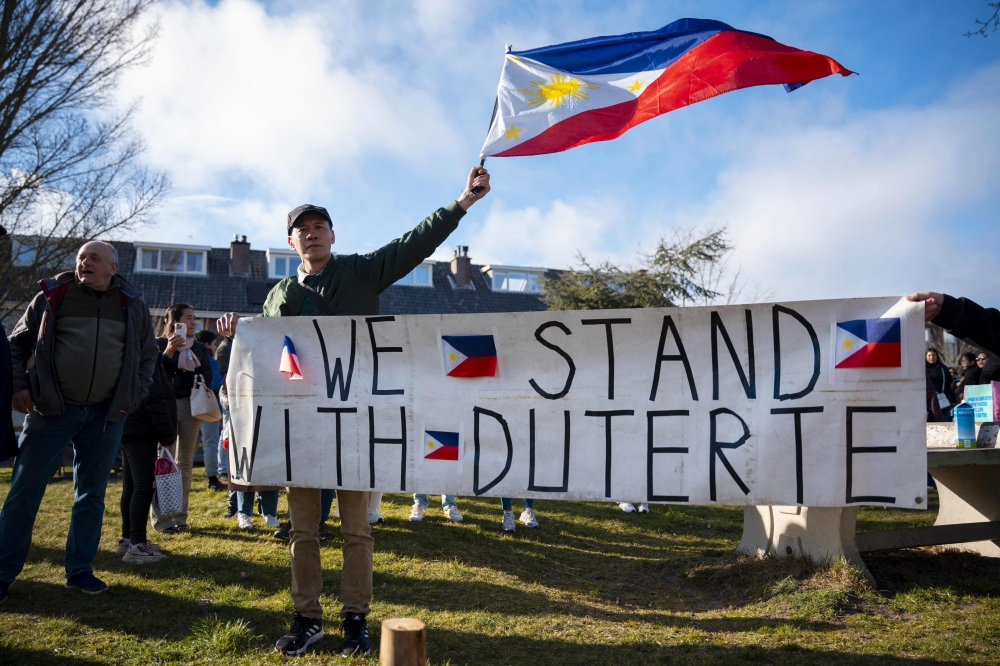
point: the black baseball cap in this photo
(296, 213)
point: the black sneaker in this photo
(231, 509)
(284, 532)
(4, 588)
(87, 583)
(356, 642)
(324, 532)
(215, 484)
(304, 632)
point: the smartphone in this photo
(181, 330)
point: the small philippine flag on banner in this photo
(289, 361)
(440, 445)
(469, 355)
(869, 343)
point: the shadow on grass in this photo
(25, 657)
(131, 610)
(900, 571)
(466, 648)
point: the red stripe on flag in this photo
(478, 366)
(444, 453)
(725, 62)
(875, 355)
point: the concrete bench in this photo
(968, 482)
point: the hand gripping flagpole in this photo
(476, 190)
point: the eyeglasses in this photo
(981, 358)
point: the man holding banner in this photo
(343, 285)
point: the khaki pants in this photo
(307, 572)
(183, 450)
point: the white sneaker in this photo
(528, 518)
(246, 522)
(454, 515)
(508, 521)
(643, 508)
(123, 545)
(627, 507)
(375, 517)
(142, 555)
(272, 521)
(417, 512)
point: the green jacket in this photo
(351, 284)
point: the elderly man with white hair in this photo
(94, 354)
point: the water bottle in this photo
(965, 426)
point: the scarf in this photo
(186, 360)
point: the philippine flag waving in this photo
(289, 361)
(558, 97)
(869, 343)
(469, 355)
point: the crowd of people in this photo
(88, 370)
(946, 384)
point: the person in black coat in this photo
(183, 359)
(940, 379)
(153, 424)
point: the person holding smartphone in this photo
(183, 358)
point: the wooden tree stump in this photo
(404, 643)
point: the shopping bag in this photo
(169, 495)
(204, 404)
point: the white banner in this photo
(819, 403)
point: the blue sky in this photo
(877, 184)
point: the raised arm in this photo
(963, 318)
(397, 258)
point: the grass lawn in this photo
(590, 586)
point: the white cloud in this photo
(549, 238)
(235, 93)
(871, 205)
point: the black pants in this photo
(138, 465)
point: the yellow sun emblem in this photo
(635, 87)
(847, 343)
(513, 133)
(430, 444)
(452, 357)
(559, 88)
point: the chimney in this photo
(239, 256)
(461, 266)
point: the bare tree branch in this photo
(984, 26)
(70, 168)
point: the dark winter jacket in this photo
(972, 322)
(156, 419)
(350, 284)
(8, 441)
(976, 325)
(183, 380)
(35, 336)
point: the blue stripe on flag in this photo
(632, 52)
(473, 346)
(856, 327)
(444, 437)
(884, 330)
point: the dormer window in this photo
(282, 263)
(421, 276)
(515, 278)
(160, 258)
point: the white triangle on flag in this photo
(452, 357)
(847, 344)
